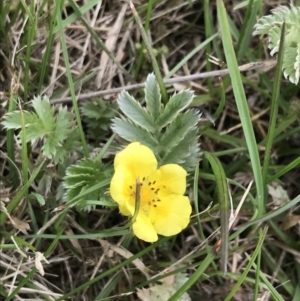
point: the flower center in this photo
(148, 195)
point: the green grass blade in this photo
(274, 213)
(224, 203)
(247, 28)
(242, 105)
(271, 288)
(274, 106)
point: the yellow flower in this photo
(163, 208)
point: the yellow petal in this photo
(143, 228)
(139, 160)
(171, 215)
(170, 179)
(119, 185)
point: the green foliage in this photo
(169, 131)
(58, 131)
(271, 25)
(97, 115)
(82, 176)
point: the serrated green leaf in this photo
(65, 123)
(99, 109)
(291, 64)
(45, 112)
(177, 130)
(83, 176)
(182, 151)
(272, 25)
(133, 110)
(12, 120)
(175, 105)
(153, 96)
(131, 132)
(274, 39)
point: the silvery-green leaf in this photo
(291, 64)
(133, 110)
(131, 132)
(180, 152)
(153, 96)
(175, 105)
(176, 130)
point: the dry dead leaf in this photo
(279, 195)
(74, 242)
(38, 258)
(17, 223)
(20, 225)
(290, 221)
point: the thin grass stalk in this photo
(113, 269)
(189, 56)
(194, 277)
(273, 214)
(256, 285)
(20, 194)
(208, 33)
(33, 270)
(98, 40)
(10, 146)
(271, 288)
(154, 63)
(261, 239)
(70, 80)
(25, 168)
(30, 35)
(45, 60)
(141, 53)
